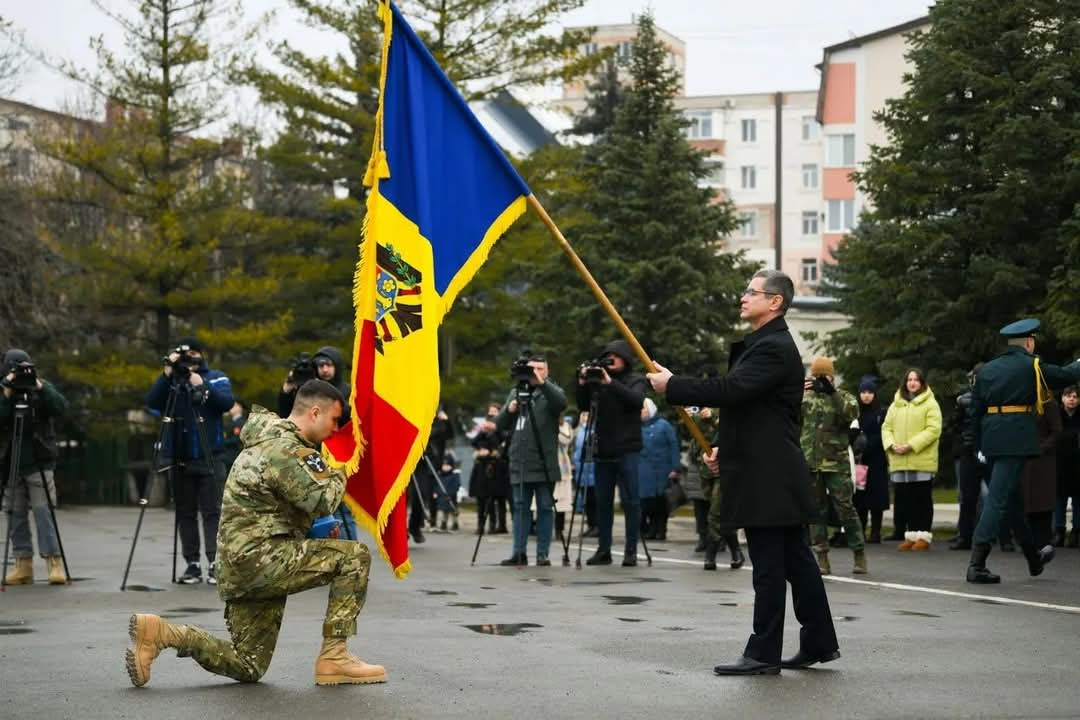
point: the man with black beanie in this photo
(203, 396)
(620, 394)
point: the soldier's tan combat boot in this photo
(860, 563)
(149, 636)
(335, 666)
(57, 576)
(823, 563)
(22, 573)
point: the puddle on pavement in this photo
(144, 588)
(12, 623)
(510, 629)
(630, 620)
(915, 613)
(474, 606)
(625, 599)
(844, 618)
(541, 580)
(16, 630)
(725, 592)
(597, 583)
(676, 628)
(736, 605)
(437, 592)
(665, 672)
(486, 587)
(988, 601)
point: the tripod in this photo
(171, 424)
(22, 410)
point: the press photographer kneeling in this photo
(532, 413)
(38, 403)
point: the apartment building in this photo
(764, 154)
(857, 77)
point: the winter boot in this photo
(57, 576)
(909, 541)
(823, 562)
(737, 557)
(1037, 559)
(22, 573)
(336, 666)
(922, 540)
(700, 547)
(860, 563)
(149, 636)
(454, 525)
(710, 555)
(977, 572)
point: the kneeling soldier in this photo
(277, 487)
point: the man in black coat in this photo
(766, 483)
(619, 396)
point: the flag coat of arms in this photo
(441, 193)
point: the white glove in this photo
(980, 457)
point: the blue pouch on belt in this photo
(322, 527)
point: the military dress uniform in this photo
(1009, 393)
(278, 486)
(827, 418)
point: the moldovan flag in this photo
(441, 194)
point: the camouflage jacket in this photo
(277, 487)
(825, 424)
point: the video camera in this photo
(822, 385)
(184, 364)
(592, 371)
(25, 379)
(303, 369)
(520, 370)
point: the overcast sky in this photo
(732, 45)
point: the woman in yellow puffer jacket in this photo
(910, 436)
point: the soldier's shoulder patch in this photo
(313, 461)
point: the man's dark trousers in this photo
(1006, 501)
(781, 555)
(969, 478)
(198, 492)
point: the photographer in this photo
(37, 459)
(533, 454)
(827, 415)
(202, 396)
(326, 365)
(620, 394)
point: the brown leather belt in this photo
(1009, 409)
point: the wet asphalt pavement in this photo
(494, 642)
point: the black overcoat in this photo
(765, 480)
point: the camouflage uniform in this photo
(277, 487)
(710, 485)
(826, 421)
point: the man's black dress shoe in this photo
(747, 666)
(802, 660)
(599, 558)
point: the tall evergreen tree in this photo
(656, 247)
(974, 197)
(163, 243)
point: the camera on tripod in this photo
(592, 371)
(184, 364)
(303, 369)
(24, 380)
(520, 370)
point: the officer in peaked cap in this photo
(1009, 393)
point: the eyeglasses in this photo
(752, 292)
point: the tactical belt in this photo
(1009, 409)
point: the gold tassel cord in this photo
(1042, 390)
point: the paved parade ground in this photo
(493, 642)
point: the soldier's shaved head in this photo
(317, 409)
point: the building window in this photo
(840, 215)
(700, 127)
(590, 49)
(810, 128)
(810, 222)
(749, 177)
(840, 151)
(809, 177)
(749, 130)
(748, 224)
(809, 270)
(714, 173)
(625, 50)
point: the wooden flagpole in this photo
(705, 445)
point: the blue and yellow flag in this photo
(442, 192)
